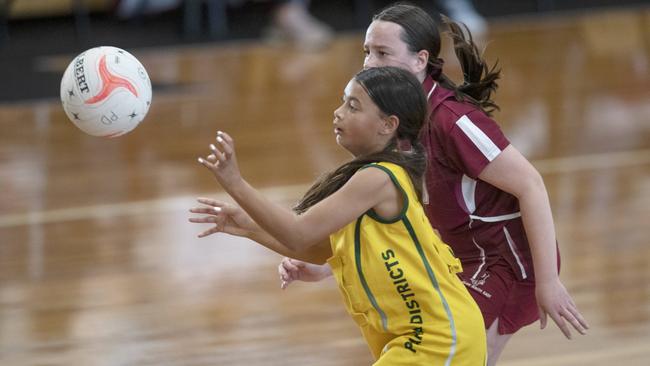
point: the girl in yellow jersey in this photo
(397, 278)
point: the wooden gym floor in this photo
(99, 266)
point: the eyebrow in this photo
(349, 99)
(353, 99)
(379, 47)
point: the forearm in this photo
(538, 224)
(512, 173)
(278, 226)
(267, 240)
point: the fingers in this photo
(210, 201)
(284, 275)
(206, 210)
(226, 143)
(209, 232)
(207, 163)
(290, 266)
(217, 228)
(220, 153)
(542, 318)
(282, 271)
(216, 154)
(203, 220)
(218, 207)
(213, 202)
(559, 320)
(573, 316)
(573, 308)
(224, 150)
(298, 264)
(218, 220)
(569, 315)
(215, 216)
(581, 320)
(286, 270)
(571, 319)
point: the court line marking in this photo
(293, 192)
(282, 193)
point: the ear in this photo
(421, 61)
(389, 125)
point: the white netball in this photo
(106, 91)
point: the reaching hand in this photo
(554, 300)
(226, 218)
(293, 269)
(222, 162)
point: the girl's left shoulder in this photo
(391, 172)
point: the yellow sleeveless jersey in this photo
(400, 286)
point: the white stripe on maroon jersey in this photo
(431, 91)
(468, 187)
(478, 270)
(489, 149)
(513, 249)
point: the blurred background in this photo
(99, 266)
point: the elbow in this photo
(537, 182)
(301, 237)
(315, 252)
(297, 242)
(533, 185)
(293, 245)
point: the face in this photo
(384, 47)
(359, 125)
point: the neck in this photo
(379, 147)
(421, 76)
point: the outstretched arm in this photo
(511, 172)
(309, 231)
(231, 219)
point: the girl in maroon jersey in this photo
(484, 198)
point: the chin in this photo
(343, 145)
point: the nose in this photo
(369, 62)
(337, 115)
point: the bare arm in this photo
(512, 173)
(231, 219)
(308, 232)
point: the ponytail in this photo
(479, 80)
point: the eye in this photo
(382, 53)
(366, 51)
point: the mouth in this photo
(337, 131)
